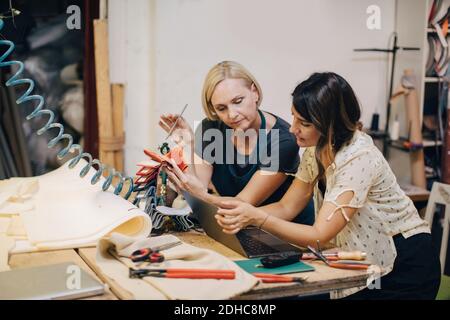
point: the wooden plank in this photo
(104, 106)
(117, 105)
(88, 255)
(36, 259)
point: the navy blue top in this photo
(232, 170)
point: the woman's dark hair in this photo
(329, 103)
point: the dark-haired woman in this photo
(358, 201)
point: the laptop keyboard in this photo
(254, 247)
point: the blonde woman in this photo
(237, 147)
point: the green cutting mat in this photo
(250, 265)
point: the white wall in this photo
(171, 44)
(131, 62)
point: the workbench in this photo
(322, 280)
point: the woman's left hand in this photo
(184, 180)
(234, 215)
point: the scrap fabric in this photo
(149, 170)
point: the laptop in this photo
(51, 282)
(249, 242)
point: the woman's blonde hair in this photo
(218, 73)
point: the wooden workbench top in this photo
(322, 280)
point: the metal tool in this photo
(351, 266)
(175, 124)
(152, 255)
(184, 273)
(340, 255)
(276, 278)
(367, 263)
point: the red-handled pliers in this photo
(184, 273)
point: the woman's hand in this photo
(185, 181)
(182, 131)
(235, 215)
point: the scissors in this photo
(152, 255)
(339, 265)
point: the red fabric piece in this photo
(149, 171)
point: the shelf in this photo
(431, 143)
(375, 134)
(417, 31)
(398, 144)
(433, 79)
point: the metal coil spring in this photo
(71, 147)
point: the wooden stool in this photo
(440, 193)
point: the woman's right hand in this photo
(182, 131)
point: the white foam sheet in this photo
(69, 212)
